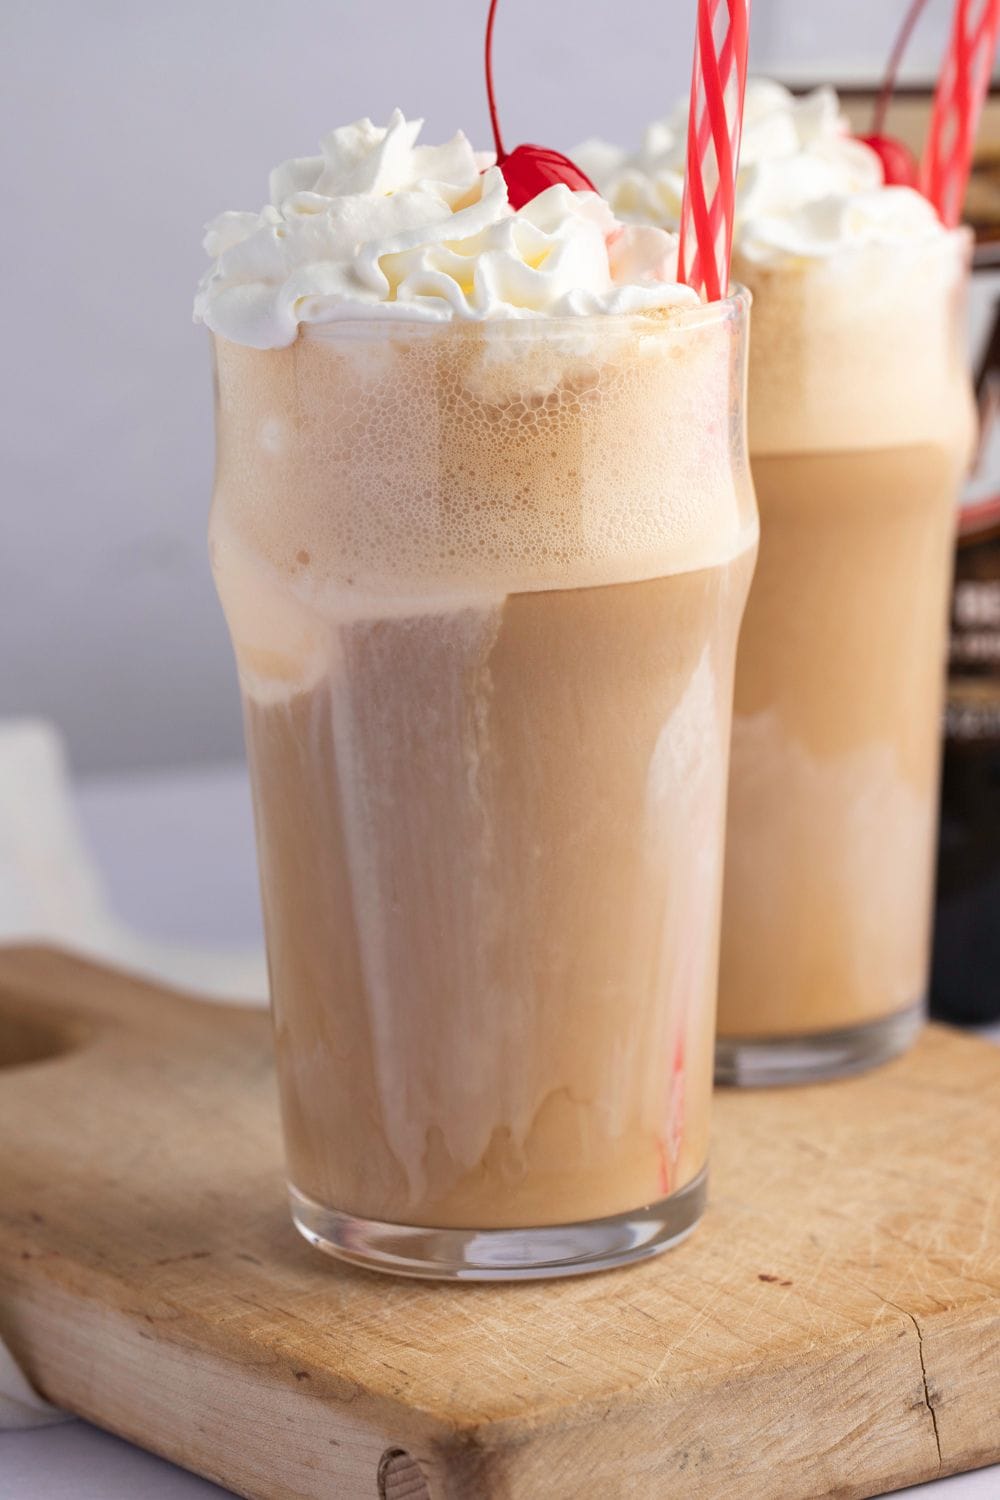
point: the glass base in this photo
(757, 1062)
(502, 1254)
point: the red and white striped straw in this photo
(958, 102)
(715, 125)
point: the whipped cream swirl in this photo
(380, 226)
(806, 187)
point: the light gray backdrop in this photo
(126, 125)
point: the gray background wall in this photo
(126, 125)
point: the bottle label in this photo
(972, 712)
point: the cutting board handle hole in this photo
(26, 1040)
(400, 1478)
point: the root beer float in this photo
(860, 425)
(483, 530)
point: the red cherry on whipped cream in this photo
(527, 170)
(899, 165)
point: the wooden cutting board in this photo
(833, 1328)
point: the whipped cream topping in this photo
(806, 187)
(378, 225)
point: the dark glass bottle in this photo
(965, 979)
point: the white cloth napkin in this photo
(51, 891)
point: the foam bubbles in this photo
(421, 471)
(863, 350)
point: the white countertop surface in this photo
(176, 854)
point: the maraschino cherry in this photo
(527, 170)
(899, 165)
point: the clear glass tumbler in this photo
(860, 417)
(484, 584)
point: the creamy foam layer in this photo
(370, 474)
(379, 226)
(857, 287)
(864, 350)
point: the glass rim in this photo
(734, 307)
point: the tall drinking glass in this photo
(860, 418)
(484, 583)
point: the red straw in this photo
(715, 124)
(958, 102)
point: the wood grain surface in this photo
(832, 1329)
